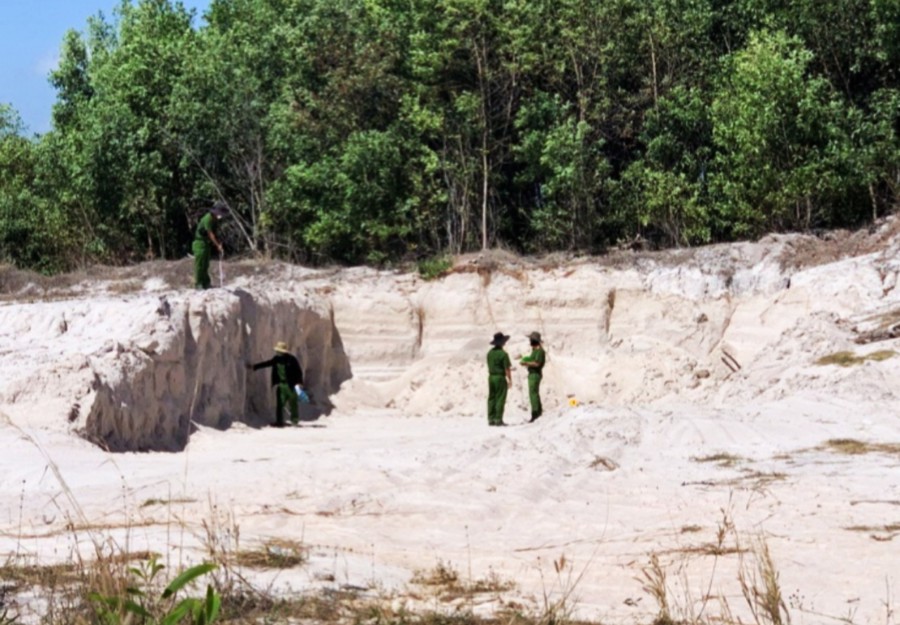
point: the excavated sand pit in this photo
(689, 421)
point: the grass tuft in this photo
(605, 463)
(274, 554)
(724, 460)
(848, 359)
(853, 447)
(433, 268)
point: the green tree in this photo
(771, 127)
(33, 232)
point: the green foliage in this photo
(781, 140)
(431, 268)
(369, 131)
(665, 192)
(164, 609)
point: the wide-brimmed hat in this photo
(535, 336)
(219, 209)
(282, 347)
(500, 339)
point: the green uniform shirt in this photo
(206, 225)
(498, 361)
(539, 356)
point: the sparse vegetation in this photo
(604, 463)
(445, 582)
(165, 502)
(273, 554)
(761, 588)
(140, 599)
(436, 267)
(848, 359)
(724, 460)
(853, 447)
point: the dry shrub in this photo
(274, 554)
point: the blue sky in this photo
(31, 32)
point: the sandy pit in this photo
(689, 421)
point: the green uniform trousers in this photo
(497, 388)
(534, 395)
(284, 394)
(202, 253)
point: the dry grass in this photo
(22, 285)
(724, 460)
(761, 588)
(880, 533)
(853, 447)
(274, 554)
(848, 359)
(605, 463)
(166, 502)
(31, 575)
(444, 581)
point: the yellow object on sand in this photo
(573, 402)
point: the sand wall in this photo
(153, 368)
(724, 324)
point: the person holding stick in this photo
(204, 240)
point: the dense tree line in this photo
(378, 130)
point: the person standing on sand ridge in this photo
(204, 240)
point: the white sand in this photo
(404, 474)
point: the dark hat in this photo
(500, 339)
(535, 336)
(219, 209)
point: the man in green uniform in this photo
(287, 379)
(499, 378)
(534, 362)
(204, 240)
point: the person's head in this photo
(534, 338)
(500, 339)
(219, 210)
(281, 348)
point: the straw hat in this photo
(535, 336)
(281, 347)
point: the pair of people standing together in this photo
(500, 376)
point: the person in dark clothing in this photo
(287, 380)
(204, 240)
(534, 362)
(499, 379)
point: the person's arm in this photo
(536, 360)
(508, 367)
(215, 240)
(261, 365)
(297, 373)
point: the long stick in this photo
(221, 270)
